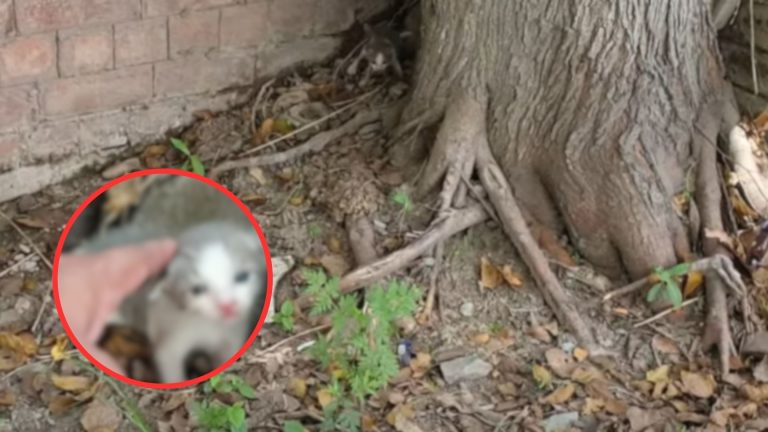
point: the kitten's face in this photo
(378, 53)
(219, 280)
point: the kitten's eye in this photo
(198, 289)
(241, 277)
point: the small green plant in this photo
(219, 417)
(314, 230)
(402, 199)
(359, 348)
(193, 161)
(228, 383)
(293, 426)
(496, 328)
(284, 318)
(667, 285)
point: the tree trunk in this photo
(591, 110)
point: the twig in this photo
(309, 125)
(752, 44)
(316, 143)
(666, 312)
(16, 265)
(28, 240)
(286, 341)
(429, 304)
(259, 99)
(627, 289)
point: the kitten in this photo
(204, 300)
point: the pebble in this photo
(465, 369)
(561, 422)
(26, 203)
(467, 309)
(24, 248)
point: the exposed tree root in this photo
(361, 239)
(429, 305)
(454, 222)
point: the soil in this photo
(296, 204)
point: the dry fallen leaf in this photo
(481, 338)
(693, 281)
(540, 333)
(561, 395)
(60, 404)
(616, 407)
(541, 376)
(490, 276)
(421, 364)
(59, 348)
(679, 405)
(664, 345)
(31, 222)
(335, 265)
(297, 387)
(334, 244)
(324, 397)
(367, 423)
(559, 362)
(592, 406)
(512, 278)
(580, 354)
(401, 411)
(71, 383)
(586, 375)
(23, 344)
(695, 384)
(507, 389)
(7, 398)
(758, 394)
(101, 416)
(660, 374)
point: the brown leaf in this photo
(490, 276)
(552, 328)
(266, 128)
(758, 394)
(403, 411)
(287, 174)
(592, 406)
(324, 397)
(693, 281)
(512, 278)
(367, 423)
(580, 354)
(540, 333)
(507, 389)
(335, 265)
(665, 345)
(31, 222)
(297, 199)
(541, 376)
(297, 387)
(660, 374)
(7, 398)
(561, 395)
(23, 344)
(421, 364)
(616, 407)
(71, 383)
(559, 362)
(254, 199)
(59, 349)
(155, 151)
(101, 416)
(481, 338)
(59, 404)
(697, 384)
(679, 405)
(334, 244)
(586, 375)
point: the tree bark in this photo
(591, 111)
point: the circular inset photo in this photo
(162, 278)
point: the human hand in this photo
(91, 287)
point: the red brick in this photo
(42, 15)
(101, 92)
(292, 18)
(26, 59)
(244, 25)
(17, 106)
(333, 16)
(173, 7)
(140, 42)
(197, 31)
(6, 18)
(83, 51)
(200, 74)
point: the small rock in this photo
(11, 321)
(101, 416)
(464, 369)
(561, 422)
(120, 168)
(11, 285)
(26, 203)
(396, 398)
(23, 305)
(24, 249)
(467, 309)
(760, 372)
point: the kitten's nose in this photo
(228, 309)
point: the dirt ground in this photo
(539, 378)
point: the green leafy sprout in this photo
(193, 161)
(667, 287)
(284, 318)
(402, 199)
(360, 345)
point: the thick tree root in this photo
(452, 223)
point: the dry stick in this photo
(752, 44)
(626, 289)
(15, 265)
(666, 312)
(42, 257)
(454, 222)
(257, 103)
(309, 125)
(514, 225)
(429, 304)
(316, 143)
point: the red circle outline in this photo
(144, 384)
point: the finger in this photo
(135, 264)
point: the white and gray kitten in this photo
(205, 299)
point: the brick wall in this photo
(81, 78)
